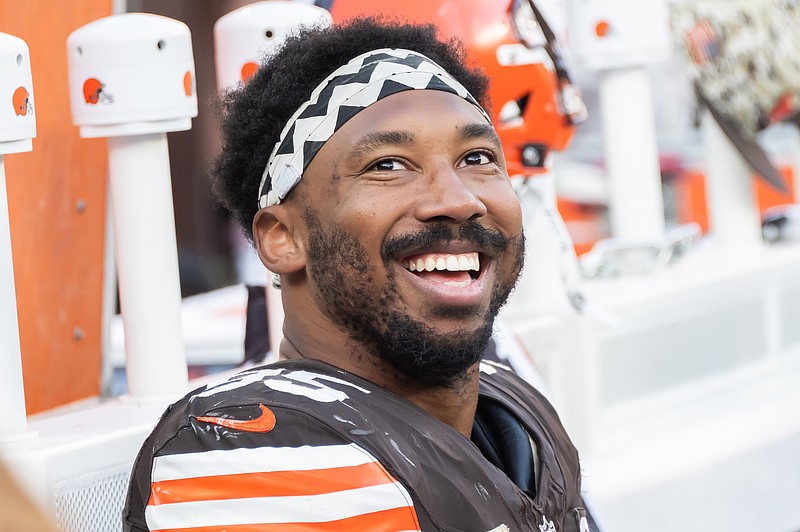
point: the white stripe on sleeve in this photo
(262, 459)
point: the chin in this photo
(426, 354)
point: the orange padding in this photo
(268, 484)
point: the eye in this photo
(477, 158)
(387, 165)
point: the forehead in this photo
(402, 117)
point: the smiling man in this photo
(373, 184)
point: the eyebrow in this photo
(480, 131)
(372, 141)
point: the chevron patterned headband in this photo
(349, 90)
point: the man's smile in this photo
(436, 262)
(449, 277)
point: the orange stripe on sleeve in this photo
(393, 520)
(269, 484)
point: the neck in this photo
(453, 405)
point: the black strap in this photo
(256, 335)
(750, 150)
(552, 47)
(505, 443)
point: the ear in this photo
(279, 247)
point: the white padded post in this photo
(17, 128)
(132, 81)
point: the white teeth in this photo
(430, 264)
(453, 263)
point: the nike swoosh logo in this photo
(265, 422)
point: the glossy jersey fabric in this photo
(302, 445)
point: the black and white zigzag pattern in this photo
(350, 89)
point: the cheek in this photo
(504, 207)
(368, 212)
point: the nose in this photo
(445, 196)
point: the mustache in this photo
(440, 233)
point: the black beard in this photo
(340, 267)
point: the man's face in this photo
(414, 232)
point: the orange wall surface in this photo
(57, 213)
